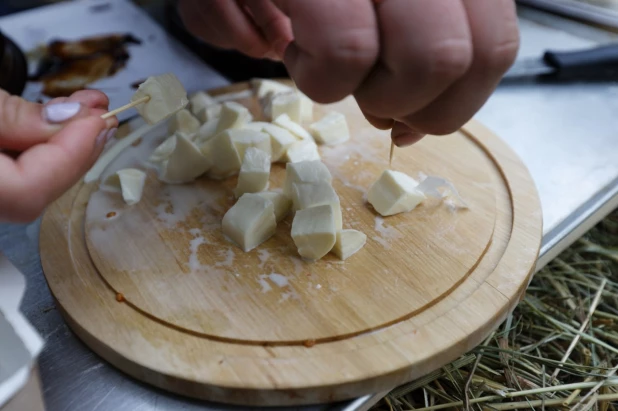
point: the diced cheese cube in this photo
(224, 156)
(264, 86)
(393, 193)
(280, 141)
(245, 138)
(331, 129)
(256, 125)
(167, 96)
(199, 101)
(164, 150)
(305, 172)
(254, 172)
(281, 202)
(206, 132)
(250, 222)
(314, 232)
(233, 115)
(209, 113)
(307, 195)
(132, 184)
(286, 122)
(184, 122)
(348, 243)
(286, 103)
(306, 108)
(304, 150)
(186, 162)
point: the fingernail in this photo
(110, 134)
(407, 139)
(60, 112)
(101, 138)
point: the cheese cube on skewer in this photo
(223, 153)
(184, 122)
(331, 129)
(245, 138)
(233, 115)
(393, 193)
(254, 172)
(186, 162)
(199, 101)
(280, 201)
(286, 122)
(166, 97)
(314, 231)
(305, 150)
(305, 172)
(250, 222)
(307, 195)
(348, 243)
(132, 184)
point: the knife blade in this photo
(587, 64)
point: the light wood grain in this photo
(212, 322)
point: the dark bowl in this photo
(13, 67)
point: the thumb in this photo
(24, 124)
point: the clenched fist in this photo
(416, 66)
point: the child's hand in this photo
(45, 149)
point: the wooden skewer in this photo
(390, 157)
(125, 107)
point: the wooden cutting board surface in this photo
(203, 318)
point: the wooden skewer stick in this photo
(126, 107)
(390, 157)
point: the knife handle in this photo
(590, 63)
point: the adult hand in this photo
(416, 66)
(45, 149)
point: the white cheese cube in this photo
(331, 129)
(254, 172)
(314, 232)
(264, 86)
(281, 202)
(306, 108)
(206, 132)
(280, 141)
(250, 222)
(305, 172)
(184, 122)
(199, 101)
(348, 243)
(163, 150)
(132, 184)
(393, 193)
(245, 138)
(233, 115)
(225, 158)
(186, 162)
(256, 125)
(286, 122)
(304, 150)
(167, 96)
(307, 195)
(287, 103)
(209, 113)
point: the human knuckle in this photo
(500, 56)
(353, 47)
(450, 58)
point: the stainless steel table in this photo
(566, 135)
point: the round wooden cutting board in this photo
(156, 289)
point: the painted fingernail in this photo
(407, 139)
(111, 134)
(101, 138)
(60, 112)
